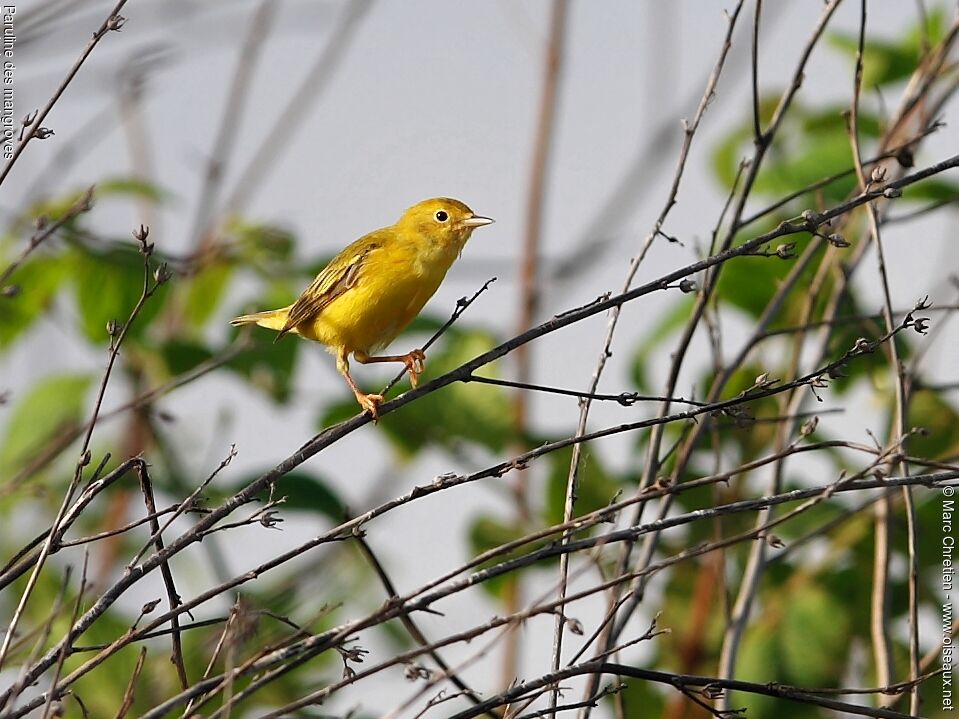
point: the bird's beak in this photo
(476, 221)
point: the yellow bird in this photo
(374, 288)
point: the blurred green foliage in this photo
(808, 616)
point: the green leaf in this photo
(940, 422)
(259, 244)
(487, 533)
(183, 355)
(470, 412)
(131, 187)
(424, 324)
(51, 405)
(39, 280)
(932, 190)
(729, 153)
(737, 145)
(307, 492)
(832, 120)
(52, 209)
(303, 492)
(108, 284)
(269, 366)
(822, 153)
(339, 411)
(883, 62)
(812, 145)
(759, 661)
(205, 291)
(749, 282)
(814, 638)
(641, 698)
(596, 489)
(815, 518)
(669, 323)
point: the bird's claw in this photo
(370, 403)
(415, 365)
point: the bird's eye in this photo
(441, 216)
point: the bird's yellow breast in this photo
(394, 286)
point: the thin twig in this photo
(652, 456)
(115, 342)
(595, 668)
(884, 659)
(290, 119)
(282, 661)
(754, 65)
(462, 304)
(68, 436)
(21, 562)
(689, 132)
(626, 399)
(412, 628)
(48, 704)
(530, 289)
(173, 597)
(231, 120)
(113, 22)
(46, 231)
(127, 704)
(329, 436)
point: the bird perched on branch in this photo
(374, 288)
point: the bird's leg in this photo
(415, 361)
(369, 402)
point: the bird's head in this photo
(442, 220)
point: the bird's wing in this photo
(336, 278)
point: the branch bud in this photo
(713, 691)
(575, 626)
(785, 252)
(141, 235)
(161, 274)
(86, 201)
(808, 427)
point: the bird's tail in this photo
(271, 319)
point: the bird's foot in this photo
(370, 403)
(415, 362)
